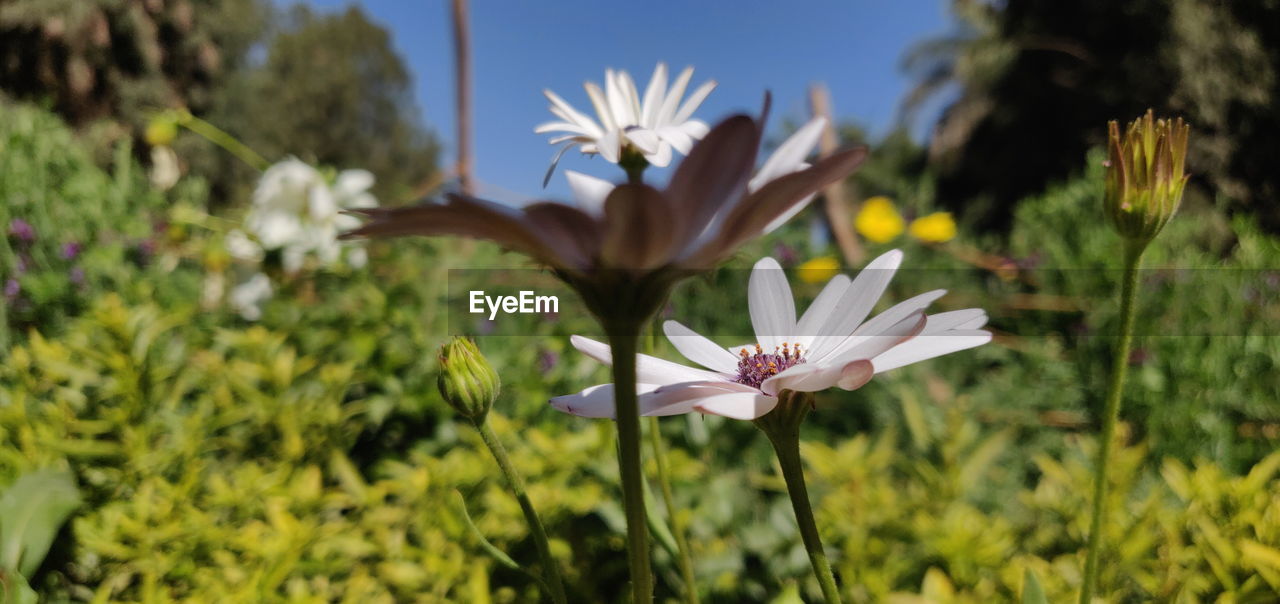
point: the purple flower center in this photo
(754, 369)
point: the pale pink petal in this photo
(872, 343)
(740, 405)
(699, 349)
(773, 310)
(649, 370)
(922, 348)
(821, 310)
(595, 401)
(858, 300)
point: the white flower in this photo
(298, 213)
(830, 345)
(590, 192)
(247, 298)
(654, 125)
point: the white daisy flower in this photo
(590, 192)
(830, 345)
(655, 125)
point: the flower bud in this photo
(467, 381)
(1145, 175)
(161, 129)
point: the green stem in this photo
(677, 521)
(624, 342)
(549, 568)
(782, 426)
(1111, 413)
(222, 139)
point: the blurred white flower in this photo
(165, 170)
(247, 298)
(297, 212)
(654, 125)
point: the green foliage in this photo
(90, 227)
(309, 457)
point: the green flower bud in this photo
(467, 381)
(161, 130)
(1145, 175)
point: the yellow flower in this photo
(819, 270)
(934, 228)
(879, 220)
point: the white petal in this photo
(647, 141)
(819, 312)
(602, 107)
(588, 191)
(696, 129)
(669, 104)
(921, 348)
(791, 154)
(773, 311)
(859, 298)
(568, 112)
(618, 105)
(699, 349)
(660, 158)
(695, 99)
(649, 370)
(610, 146)
(678, 139)
(546, 127)
(654, 94)
(740, 405)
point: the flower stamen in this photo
(754, 369)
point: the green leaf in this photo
(1032, 593)
(31, 510)
(14, 589)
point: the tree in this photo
(122, 60)
(1039, 80)
(332, 90)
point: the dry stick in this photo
(835, 197)
(462, 86)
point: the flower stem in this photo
(782, 426)
(677, 522)
(222, 139)
(1111, 412)
(550, 571)
(624, 343)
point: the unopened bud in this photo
(467, 381)
(1145, 175)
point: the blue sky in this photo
(748, 46)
